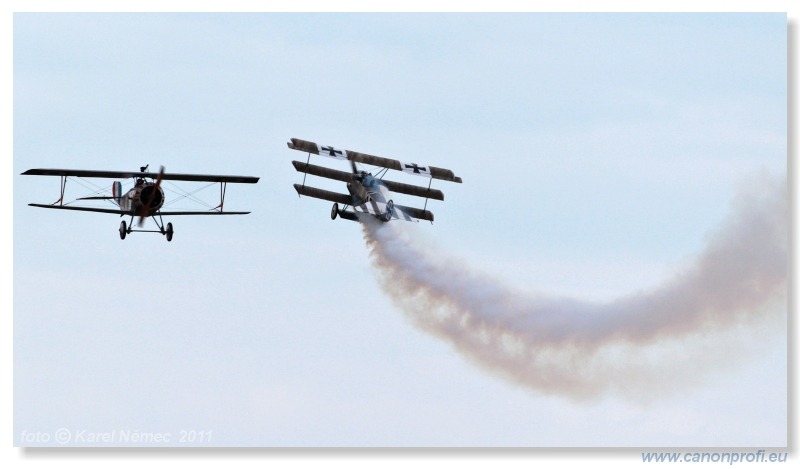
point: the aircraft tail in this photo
(116, 192)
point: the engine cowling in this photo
(152, 197)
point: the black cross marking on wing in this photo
(413, 166)
(333, 152)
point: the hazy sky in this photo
(598, 151)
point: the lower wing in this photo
(128, 212)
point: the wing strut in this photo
(308, 160)
(223, 186)
(430, 180)
(60, 200)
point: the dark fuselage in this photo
(144, 199)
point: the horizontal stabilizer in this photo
(323, 194)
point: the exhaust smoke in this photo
(706, 317)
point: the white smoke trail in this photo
(643, 342)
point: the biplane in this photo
(145, 199)
(368, 193)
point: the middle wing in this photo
(343, 176)
(323, 194)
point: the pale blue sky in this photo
(597, 152)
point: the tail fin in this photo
(116, 191)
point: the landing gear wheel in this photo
(169, 231)
(334, 211)
(123, 230)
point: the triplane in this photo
(368, 194)
(145, 199)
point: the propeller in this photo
(146, 208)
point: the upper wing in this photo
(135, 174)
(412, 168)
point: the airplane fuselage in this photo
(144, 199)
(372, 195)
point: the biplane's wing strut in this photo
(426, 198)
(62, 184)
(223, 186)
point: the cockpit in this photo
(367, 179)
